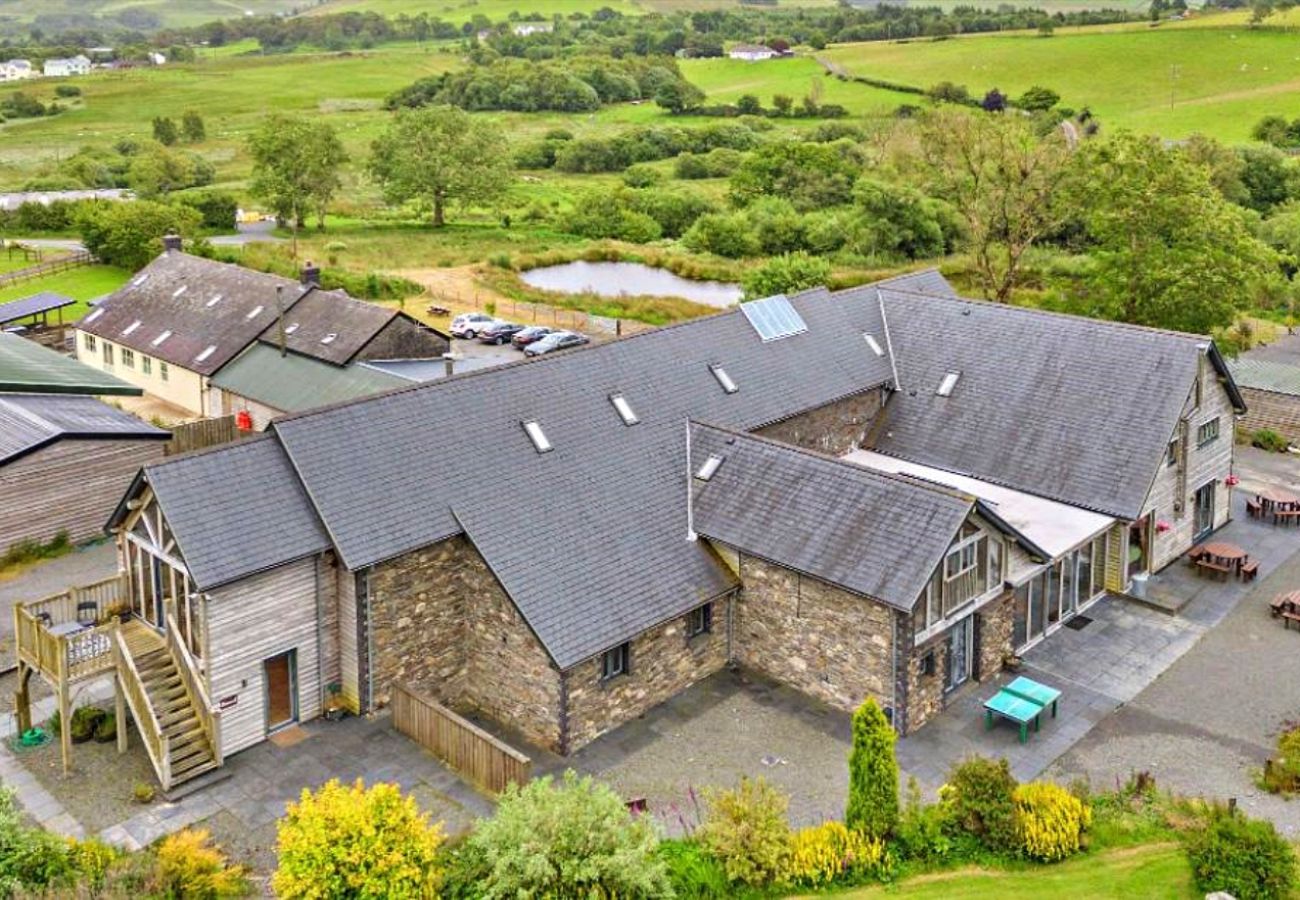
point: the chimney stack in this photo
(171, 242)
(279, 318)
(449, 363)
(310, 274)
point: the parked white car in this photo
(470, 325)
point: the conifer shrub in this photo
(978, 800)
(1049, 821)
(873, 774)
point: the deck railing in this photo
(70, 657)
(155, 742)
(209, 718)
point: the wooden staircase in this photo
(189, 750)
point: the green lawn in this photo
(1151, 872)
(458, 11)
(82, 284)
(1221, 80)
(173, 14)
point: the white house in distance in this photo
(72, 65)
(524, 29)
(16, 70)
(752, 52)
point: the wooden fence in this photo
(200, 434)
(461, 744)
(62, 264)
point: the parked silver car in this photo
(556, 340)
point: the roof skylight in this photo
(95, 314)
(207, 351)
(180, 290)
(160, 338)
(140, 280)
(949, 382)
(291, 328)
(538, 437)
(254, 312)
(329, 338)
(216, 298)
(624, 409)
(130, 328)
(724, 379)
(874, 344)
(710, 466)
(774, 318)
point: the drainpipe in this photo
(690, 503)
(320, 648)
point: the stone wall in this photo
(996, 623)
(1267, 409)
(819, 639)
(663, 662)
(403, 338)
(925, 694)
(835, 428)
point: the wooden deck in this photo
(140, 638)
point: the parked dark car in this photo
(499, 332)
(556, 340)
(529, 335)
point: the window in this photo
(108, 354)
(89, 342)
(1208, 432)
(995, 563)
(705, 472)
(291, 328)
(927, 662)
(538, 437)
(615, 662)
(329, 338)
(214, 301)
(960, 560)
(160, 338)
(949, 382)
(162, 370)
(131, 328)
(724, 379)
(146, 365)
(874, 345)
(699, 620)
(95, 314)
(180, 290)
(624, 409)
(207, 351)
(1171, 453)
(128, 358)
(254, 312)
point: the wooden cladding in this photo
(471, 751)
(200, 434)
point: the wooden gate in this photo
(471, 751)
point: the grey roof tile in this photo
(30, 421)
(354, 323)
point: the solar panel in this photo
(774, 318)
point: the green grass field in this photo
(172, 13)
(82, 284)
(1152, 872)
(725, 80)
(1220, 80)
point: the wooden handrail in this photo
(137, 698)
(209, 718)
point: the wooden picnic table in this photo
(1277, 495)
(1287, 607)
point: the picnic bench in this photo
(1205, 564)
(1022, 701)
(1287, 608)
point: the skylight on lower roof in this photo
(538, 437)
(216, 298)
(254, 312)
(724, 379)
(140, 280)
(160, 338)
(180, 290)
(291, 328)
(874, 344)
(329, 338)
(949, 382)
(709, 467)
(130, 328)
(774, 318)
(95, 314)
(624, 409)
(207, 351)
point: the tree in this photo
(356, 842)
(1269, 177)
(1169, 250)
(811, 176)
(994, 101)
(1038, 98)
(440, 155)
(786, 274)
(128, 235)
(572, 839)
(782, 103)
(296, 166)
(677, 96)
(873, 773)
(192, 127)
(748, 105)
(1272, 130)
(1224, 164)
(897, 219)
(164, 131)
(1001, 178)
(156, 171)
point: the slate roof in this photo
(595, 549)
(354, 323)
(235, 510)
(292, 383)
(29, 422)
(27, 367)
(1072, 409)
(1266, 375)
(875, 534)
(45, 301)
(247, 306)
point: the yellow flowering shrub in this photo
(187, 866)
(824, 853)
(357, 842)
(1049, 820)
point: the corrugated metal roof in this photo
(292, 383)
(1266, 375)
(875, 534)
(27, 367)
(236, 510)
(29, 422)
(45, 301)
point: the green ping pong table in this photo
(1029, 689)
(1017, 709)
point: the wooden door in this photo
(280, 677)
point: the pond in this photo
(613, 279)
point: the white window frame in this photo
(616, 662)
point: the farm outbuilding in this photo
(1269, 378)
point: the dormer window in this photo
(624, 409)
(538, 437)
(724, 379)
